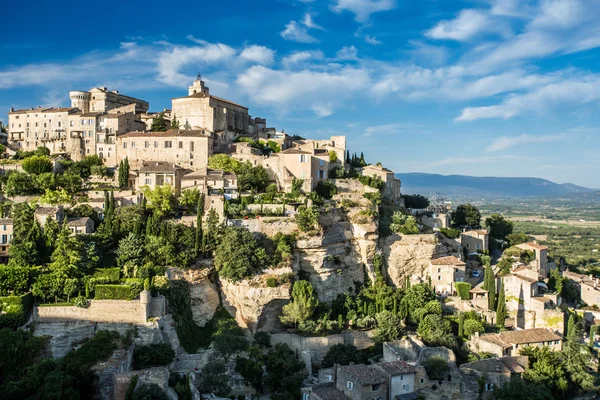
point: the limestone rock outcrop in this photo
(204, 293)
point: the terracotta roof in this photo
(59, 109)
(158, 166)
(363, 374)
(6, 221)
(78, 221)
(475, 232)
(169, 133)
(525, 278)
(90, 114)
(328, 392)
(526, 336)
(213, 174)
(374, 166)
(448, 260)
(397, 368)
(46, 210)
(294, 150)
(534, 245)
(506, 365)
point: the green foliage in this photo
(342, 354)
(303, 304)
(272, 282)
(518, 389)
(15, 310)
(546, 370)
(501, 312)
(332, 156)
(417, 296)
(498, 226)
(81, 302)
(223, 162)
(372, 181)
(189, 200)
(251, 369)
(174, 123)
(450, 233)
(307, 218)
(388, 327)
(159, 123)
(436, 331)
(55, 197)
(149, 391)
(162, 199)
(20, 349)
(326, 189)
(405, 224)
(154, 355)
(19, 183)
(518, 238)
(116, 292)
(109, 275)
(437, 368)
(14, 279)
(415, 201)
(489, 284)
(466, 215)
(229, 338)
(239, 255)
(463, 288)
(37, 165)
(284, 373)
(214, 379)
(472, 326)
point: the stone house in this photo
(42, 214)
(400, 377)
(79, 226)
(149, 117)
(188, 149)
(510, 343)
(475, 241)
(101, 99)
(309, 166)
(540, 263)
(392, 184)
(587, 285)
(520, 286)
(159, 173)
(444, 272)
(212, 181)
(6, 236)
(496, 371)
(361, 382)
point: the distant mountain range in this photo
(461, 185)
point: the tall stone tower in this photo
(80, 100)
(198, 86)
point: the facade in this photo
(203, 111)
(392, 184)
(310, 167)
(361, 382)
(400, 377)
(510, 343)
(81, 226)
(188, 149)
(100, 99)
(520, 286)
(212, 182)
(444, 272)
(589, 287)
(42, 214)
(6, 236)
(475, 241)
(496, 371)
(540, 263)
(158, 173)
(35, 127)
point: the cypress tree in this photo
(362, 159)
(174, 123)
(501, 308)
(571, 326)
(492, 292)
(159, 124)
(121, 174)
(461, 321)
(126, 173)
(106, 204)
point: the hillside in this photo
(472, 186)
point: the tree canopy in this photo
(238, 254)
(466, 215)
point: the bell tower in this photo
(198, 86)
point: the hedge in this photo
(111, 275)
(463, 289)
(450, 233)
(115, 292)
(15, 310)
(154, 355)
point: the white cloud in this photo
(362, 9)
(506, 142)
(465, 26)
(296, 32)
(470, 160)
(258, 54)
(309, 23)
(300, 57)
(347, 53)
(372, 40)
(389, 129)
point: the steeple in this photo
(198, 86)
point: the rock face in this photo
(253, 304)
(204, 293)
(409, 255)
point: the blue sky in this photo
(482, 87)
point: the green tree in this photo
(223, 162)
(229, 342)
(489, 284)
(498, 226)
(472, 326)
(461, 324)
(519, 389)
(501, 307)
(515, 239)
(417, 296)
(189, 199)
(388, 327)
(251, 369)
(70, 182)
(332, 156)
(174, 123)
(405, 224)
(303, 304)
(284, 373)
(307, 218)
(130, 254)
(238, 254)
(37, 165)
(214, 379)
(159, 124)
(466, 215)
(436, 331)
(149, 391)
(342, 354)
(571, 326)
(546, 370)
(55, 197)
(415, 201)
(19, 183)
(162, 199)
(436, 368)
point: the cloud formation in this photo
(362, 9)
(507, 142)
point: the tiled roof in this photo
(328, 392)
(507, 365)
(158, 166)
(6, 221)
(534, 245)
(293, 150)
(475, 232)
(213, 174)
(363, 374)
(525, 336)
(397, 368)
(525, 278)
(46, 210)
(78, 221)
(374, 166)
(448, 260)
(169, 133)
(201, 95)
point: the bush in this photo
(262, 339)
(15, 310)
(108, 275)
(154, 355)
(115, 292)
(372, 181)
(272, 282)
(436, 368)
(307, 218)
(463, 288)
(37, 165)
(81, 302)
(450, 233)
(340, 353)
(326, 189)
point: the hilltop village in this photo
(197, 253)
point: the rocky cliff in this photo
(204, 293)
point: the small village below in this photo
(197, 253)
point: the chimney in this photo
(12, 109)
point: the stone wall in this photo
(317, 346)
(268, 226)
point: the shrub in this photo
(436, 368)
(37, 165)
(326, 189)
(115, 292)
(108, 275)
(81, 302)
(272, 282)
(405, 224)
(154, 355)
(307, 218)
(372, 181)
(463, 288)
(340, 353)
(450, 233)
(262, 339)
(15, 310)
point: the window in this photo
(155, 144)
(58, 124)
(28, 124)
(148, 181)
(439, 277)
(422, 380)
(401, 377)
(556, 342)
(71, 123)
(44, 124)
(180, 144)
(302, 157)
(405, 387)
(321, 163)
(375, 388)
(191, 146)
(305, 396)
(146, 144)
(3, 227)
(168, 144)
(488, 387)
(329, 378)
(124, 145)
(133, 145)
(439, 270)
(350, 385)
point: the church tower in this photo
(198, 87)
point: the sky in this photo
(480, 87)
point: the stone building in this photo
(540, 263)
(496, 371)
(392, 184)
(158, 173)
(188, 149)
(203, 111)
(100, 99)
(41, 214)
(212, 182)
(309, 166)
(587, 285)
(520, 286)
(475, 241)
(6, 236)
(444, 272)
(79, 226)
(361, 382)
(31, 128)
(400, 377)
(510, 343)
